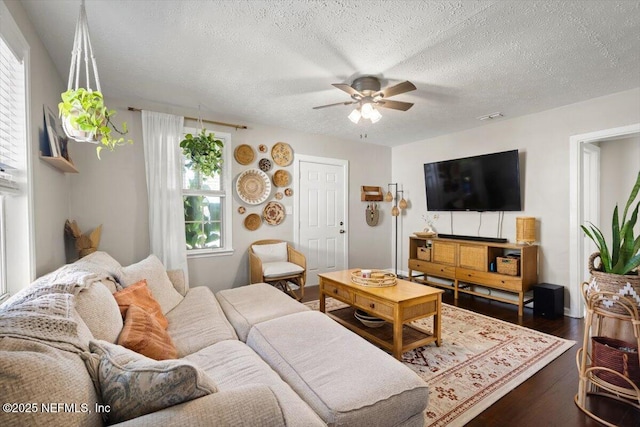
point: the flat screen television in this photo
(490, 182)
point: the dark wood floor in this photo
(545, 399)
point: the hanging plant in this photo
(85, 118)
(203, 152)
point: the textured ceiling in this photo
(271, 61)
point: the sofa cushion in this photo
(247, 305)
(35, 373)
(134, 385)
(143, 334)
(140, 295)
(273, 252)
(339, 386)
(198, 321)
(231, 364)
(100, 312)
(154, 272)
(273, 270)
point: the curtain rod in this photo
(231, 125)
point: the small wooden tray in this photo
(387, 279)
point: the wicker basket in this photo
(424, 253)
(608, 353)
(378, 279)
(508, 266)
(626, 285)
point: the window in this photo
(207, 205)
(15, 227)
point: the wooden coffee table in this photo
(398, 305)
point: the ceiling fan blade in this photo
(394, 105)
(403, 87)
(345, 87)
(332, 105)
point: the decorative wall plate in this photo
(281, 178)
(273, 213)
(253, 186)
(263, 148)
(282, 154)
(279, 195)
(265, 165)
(288, 192)
(252, 221)
(242, 210)
(243, 154)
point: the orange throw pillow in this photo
(140, 295)
(143, 334)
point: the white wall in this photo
(51, 191)
(112, 192)
(619, 166)
(543, 139)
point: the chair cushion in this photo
(273, 270)
(272, 252)
(134, 385)
(344, 378)
(154, 272)
(143, 334)
(247, 305)
(140, 295)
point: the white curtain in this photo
(161, 134)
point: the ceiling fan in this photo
(365, 92)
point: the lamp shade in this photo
(388, 197)
(395, 211)
(402, 204)
(525, 229)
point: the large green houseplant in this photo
(204, 152)
(85, 118)
(617, 272)
(623, 256)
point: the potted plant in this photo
(619, 261)
(85, 118)
(204, 152)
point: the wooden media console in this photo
(469, 262)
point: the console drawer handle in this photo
(372, 305)
(335, 291)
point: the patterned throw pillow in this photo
(143, 334)
(140, 295)
(134, 385)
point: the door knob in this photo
(342, 231)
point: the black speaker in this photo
(548, 300)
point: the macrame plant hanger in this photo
(82, 43)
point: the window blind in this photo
(12, 116)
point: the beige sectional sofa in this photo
(249, 356)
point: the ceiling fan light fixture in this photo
(367, 110)
(355, 116)
(375, 116)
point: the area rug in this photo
(481, 359)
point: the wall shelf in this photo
(60, 163)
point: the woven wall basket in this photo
(626, 285)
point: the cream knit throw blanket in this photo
(44, 311)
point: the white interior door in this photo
(322, 214)
(591, 199)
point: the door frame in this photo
(302, 158)
(576, 188)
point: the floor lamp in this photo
(398, 206)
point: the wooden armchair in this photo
(277, 263)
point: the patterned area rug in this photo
(481, 359)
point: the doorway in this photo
(321, 213)
(580, 192)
